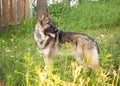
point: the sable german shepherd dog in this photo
(49, 39)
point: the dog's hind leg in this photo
(79, 55)
(93, 59)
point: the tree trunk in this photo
(41, 8)
(0, 17)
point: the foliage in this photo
(86, 15)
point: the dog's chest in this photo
(40, 38)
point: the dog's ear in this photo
(39, 21)
(38, 24)
(47, 20)
(47, 15)
(43, 17)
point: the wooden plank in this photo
(0, 17)
(5, 13)
(27, 9)
(17, 11)
(21, 11)
(13, 12)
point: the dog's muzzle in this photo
(51, 35)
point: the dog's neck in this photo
(59, 32)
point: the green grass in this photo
(20, 62)
(86, 16)
(22, 65)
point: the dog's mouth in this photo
(51, 34)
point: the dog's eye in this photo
(41, 42)
(56, 29)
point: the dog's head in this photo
(45, 25)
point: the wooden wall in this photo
(13, 12)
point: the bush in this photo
(85, 16)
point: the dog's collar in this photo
(58, 32)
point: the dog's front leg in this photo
(45, 53)
(47, 56)
(48, 60)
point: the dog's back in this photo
(86, 48)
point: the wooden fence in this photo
(13, 12)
